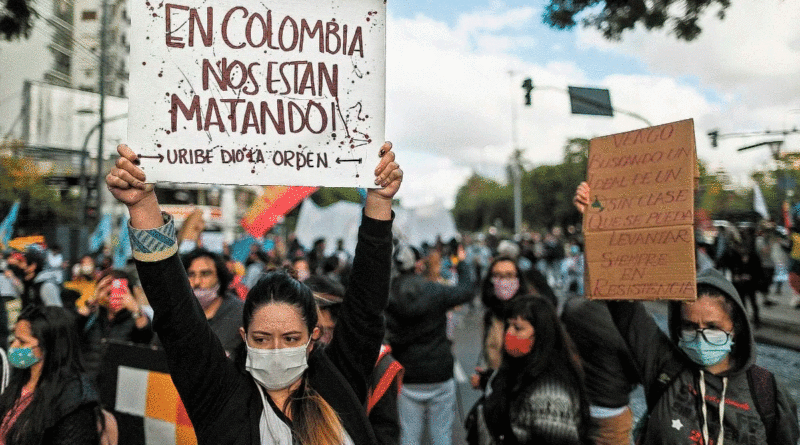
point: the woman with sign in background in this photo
(283, 389)
(701, 382)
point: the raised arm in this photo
(126, 183)
(359, 331)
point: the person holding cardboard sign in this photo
(701, 382)
(283, 388)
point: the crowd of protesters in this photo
(301, 344)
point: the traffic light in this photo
(713, 135)
(527, 85)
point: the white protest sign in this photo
(281, 92)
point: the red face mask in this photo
(517, 347)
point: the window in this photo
(88, 15)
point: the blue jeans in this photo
(434, 403)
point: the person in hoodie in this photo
(706, 359)
(42, 285)
(416, 324)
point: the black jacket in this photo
(416, 320)
(221, 399)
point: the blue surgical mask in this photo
(704, 353)
(21, 358)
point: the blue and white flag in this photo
(122, 251)
(101, 234)
(7, 226)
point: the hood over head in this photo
(743, 351)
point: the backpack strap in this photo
(763, 389)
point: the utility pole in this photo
(516, 172)
(102, 86)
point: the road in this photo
(783, 362)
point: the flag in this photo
(100, 234)
(135, 384)
(122, 251)
(7, 226)
(271, 206)
(759, 204)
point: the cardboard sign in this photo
(286, 92)
(639, 224)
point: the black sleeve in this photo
(650, 348)
(79, 427)
(199, 367)
(359, 331)
(385, 418)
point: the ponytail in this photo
(315, 421)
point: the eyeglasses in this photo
(716, 337)
(201, 274)
(504, 275)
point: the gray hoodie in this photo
(677, 417)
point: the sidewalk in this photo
(780, 324)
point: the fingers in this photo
(387, 156)
(388, 174)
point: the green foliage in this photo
(547, 193)
(615, 17)
(20, 179)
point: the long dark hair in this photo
(553, 357)
(488, 297)
(56, 331)
(224, 276)
(313, 420)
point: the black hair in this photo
(56, 331)
(488, 297)
(553, 357)
(35, 256)
(279, 287)
(320, 284)
(224, 276)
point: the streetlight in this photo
(84, 155)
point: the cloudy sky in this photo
(454, 75)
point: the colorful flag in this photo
(271, 206)
(135, 385)
(7, 226)
(100, 234)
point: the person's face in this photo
(521, 328)
(202, 273)
(705, 312)
(23, 338)
(326, 325)
(277, 326)
(504, 269)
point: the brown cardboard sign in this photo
(639, 223)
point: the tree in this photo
(617, 16)
(16, 19)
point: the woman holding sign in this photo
(284, 388)
(701, 383)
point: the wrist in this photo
(146, 214)
(378, 206)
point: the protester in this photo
(210, 280)
(42, 286)
(112, 314)
(537, 395)
(609, 369)
(296, 392)
(386, 380)
(49, 400)
(701, 382)
(416, 321)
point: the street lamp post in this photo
(84, 156)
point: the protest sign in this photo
(281, 93)
(639, 223)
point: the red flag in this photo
(271, 206)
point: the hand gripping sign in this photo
(284, 92)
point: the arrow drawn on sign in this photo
(160, 157)
(340, 160)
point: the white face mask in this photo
(276, 368)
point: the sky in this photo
(454, 77)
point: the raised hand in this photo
(581, 199)
(126, 181)
(389, 177)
